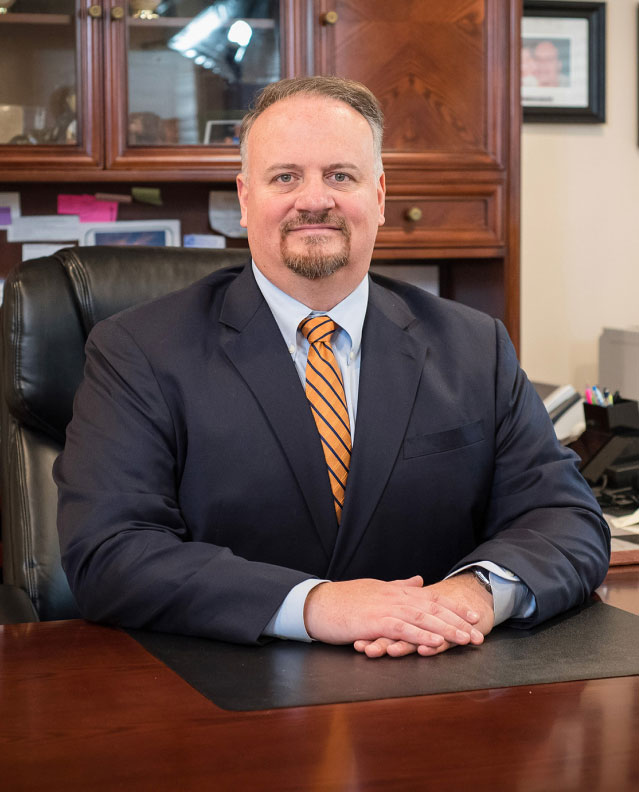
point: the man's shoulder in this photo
(204, 293)
(428, 307)
(177, 311)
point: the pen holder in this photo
(622, 414)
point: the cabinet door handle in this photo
(95, 11)
(414, 214)
(329, 18)
(117, 12)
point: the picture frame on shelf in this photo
(563, 62)
(157, 233)
(222, 131)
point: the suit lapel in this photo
(392, 363)
(256, 348)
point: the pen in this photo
(598, 396)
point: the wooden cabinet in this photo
(444, 218)
(445, 71)
(447, 76)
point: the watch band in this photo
(482, 576)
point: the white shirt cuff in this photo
(288, 620)
(512, 599)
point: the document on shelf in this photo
(204, 241)
(225, 214)
(45, 228)
(9, 208)
(33, 250)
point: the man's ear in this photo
(242, 194)
(381, 198)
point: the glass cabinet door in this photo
(134, 88)
(192, 69)
(46, 90)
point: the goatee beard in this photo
(314, 264)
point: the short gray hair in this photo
(352, 93)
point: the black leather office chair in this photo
(50, 305)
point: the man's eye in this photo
(285, 178)
(341, 177)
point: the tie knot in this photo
(317, 328)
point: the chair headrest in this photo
(51, 304)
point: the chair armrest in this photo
(15, 606)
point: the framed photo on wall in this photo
(563, 62)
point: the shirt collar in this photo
(288, 312)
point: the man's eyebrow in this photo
(282, 166)
(343, 166)
(285, 166)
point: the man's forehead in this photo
(302, 115)
(311, 109)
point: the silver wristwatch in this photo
(482, 576)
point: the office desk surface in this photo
(86, 707)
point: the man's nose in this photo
(314, 196)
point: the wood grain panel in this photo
(469, 217)
(432, 67)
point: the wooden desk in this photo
(84, 707)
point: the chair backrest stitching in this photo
(77, 274)
(18, 496)
(17, 364)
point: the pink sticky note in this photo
(88, 208)
(100, 212)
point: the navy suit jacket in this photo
(193, 488)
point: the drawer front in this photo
(471, 216)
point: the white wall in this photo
(580, 223)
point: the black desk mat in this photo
(593, 642)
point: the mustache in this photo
(315, 218)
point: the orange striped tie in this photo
(325, 393)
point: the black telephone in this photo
(609, 451)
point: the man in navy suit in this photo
(194, 490)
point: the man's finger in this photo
(385, 646)
(400, 629)
(459, 608)
(416, 581)
(435, 616)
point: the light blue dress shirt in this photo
(510, 596)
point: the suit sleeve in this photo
(125, 546)
(543, 522)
